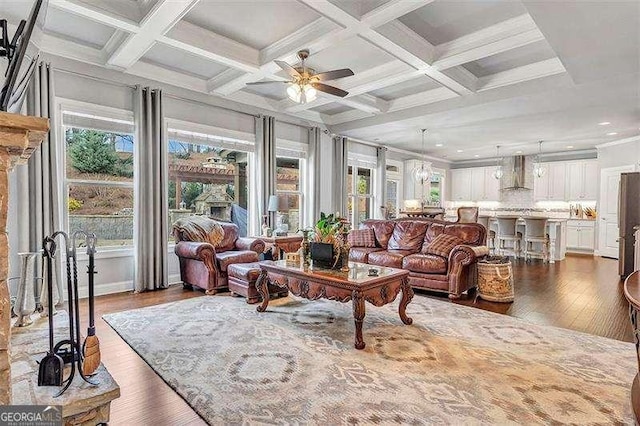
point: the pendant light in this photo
(538, 169)
(423, 172)
(498, 173)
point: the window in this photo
(208, 176)
(393, 188)
(99, 183)
(288, 189)
(360, 194)
(435, 191)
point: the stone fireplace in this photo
(19, 137)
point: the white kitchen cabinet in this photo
(474, 184)
(491, 185)
(461, 185)
(580, 235)
(582, 180)
(552, 185)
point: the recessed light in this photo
(569, 146)
(604, 123)
(612, 133)
(458, 151)
(438, 144)
(519, 152)
(476, 156)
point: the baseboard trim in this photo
(119, 287)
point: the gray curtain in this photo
(340, 170)
(151, 228)
(38, 183)
(381, 183)
(315, 174)
(266, 165)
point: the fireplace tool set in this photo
(83, 358)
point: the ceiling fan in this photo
(305, 82)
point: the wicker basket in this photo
(495, 279)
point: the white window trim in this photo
(356, 164)
(188, 126)
(62, 104)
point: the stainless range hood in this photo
(514, 176)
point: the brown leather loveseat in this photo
(206, 248)
(406, 243)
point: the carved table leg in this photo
(358, 315)
(635, 388)
(262, 285)
(407, 295)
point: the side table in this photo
(281, 245)
(632, 293)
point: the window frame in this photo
(356, 162)
(283, 147)
(97, 111)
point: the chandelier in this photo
(498, 173)
(423, 172)
(538, 169)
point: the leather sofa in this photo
(204, 265)
(399, 243)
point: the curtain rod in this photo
(169, 95)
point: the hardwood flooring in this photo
(580, 293)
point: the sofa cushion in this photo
(442, 245)
(382, 230)
(434, 230)
(241, 256)
(362, 238)
(469, 233)
(408, 235)
(390, 258)
(425, 263)
(361, 254)
(230, 237)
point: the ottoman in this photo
(242, 282)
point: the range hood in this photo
(514, 176)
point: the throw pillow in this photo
(442, 245)
(362, 238)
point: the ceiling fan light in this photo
(310, 93)
(539, 170)
(294, 93)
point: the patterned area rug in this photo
(296, 364)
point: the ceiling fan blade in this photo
(255, 83)
(288, 69)
(334, 75)
(330, 89)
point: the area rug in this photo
(296, 364)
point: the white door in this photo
(608, 231)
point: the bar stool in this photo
(535, 232)
(491, 235)
(507, 233)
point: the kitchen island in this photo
(556, 229)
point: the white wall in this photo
(624, 154)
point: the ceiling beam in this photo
(498, 38)
(210, 45)
(164, 15)
(391, 10)
(95, 14)
(533, 71)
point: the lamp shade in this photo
(273, 203)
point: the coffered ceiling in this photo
(475, 73)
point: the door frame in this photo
(601, 199)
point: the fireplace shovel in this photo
(91, 346)
(50, 372)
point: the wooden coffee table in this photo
(356, 285)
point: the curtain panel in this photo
(381, 183)
(151, 227)
(266, 166)
(315, 175)
(39, 186)
(340, 170)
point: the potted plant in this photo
(329, 247)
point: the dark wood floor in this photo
(580, 293)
